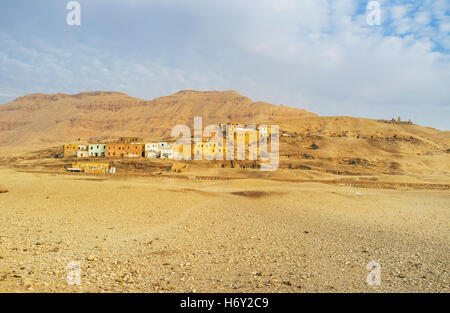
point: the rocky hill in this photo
(37, 119)
(309, 143)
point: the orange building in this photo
(122, 150)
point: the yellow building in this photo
(91, 167)
(246, 135)
(197, 150)
(70, 150)
(209, 150)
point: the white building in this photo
(151, 154)
(97, 150)
(163, 145)
(82, 154)
(153, 146)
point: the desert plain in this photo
(163, 234)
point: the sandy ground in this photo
(177, 235)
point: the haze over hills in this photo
(45, 119)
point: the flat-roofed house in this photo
(134, 150)
(122, 150)
(150, 154)
(152, 146)
(82, 154)
(213, 150)
(151, 150)
(197, 150)
(82, 151)
(70, 150)
(115, 151)
(97, 150)
(209, 148)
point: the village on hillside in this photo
(135, 147)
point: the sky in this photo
(320, 55)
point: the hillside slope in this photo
(342, 145)
(44, 119)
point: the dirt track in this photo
(353, 183)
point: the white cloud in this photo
(315, 54)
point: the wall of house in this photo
(97, 149)
(121, 150)
(70, 150)
(151, 146)
(91, 167)
(151, 154)
(82, 154)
